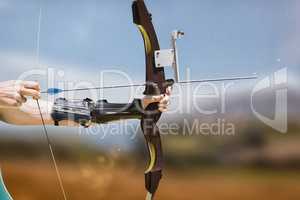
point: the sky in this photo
(223, 38)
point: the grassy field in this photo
(37, 180)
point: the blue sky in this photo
(223, 38)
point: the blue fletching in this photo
(54, 90)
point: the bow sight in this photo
(169, 57)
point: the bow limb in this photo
(153, 172)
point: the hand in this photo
(13, 93)
(162, 100)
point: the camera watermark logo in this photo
(278, 81)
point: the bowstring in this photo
(58, 174)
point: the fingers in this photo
(157, 98)
(19, 98)
(163, 96)
(30, 92)
(164, 103)
(168, 90)
(9, 102)
(28, 88)
(162, 100)
(13, 100)
(163, 108)
(31, 85)
(13, 93)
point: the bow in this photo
(155, 85)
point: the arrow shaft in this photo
(56, 90)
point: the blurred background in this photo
(229, 153)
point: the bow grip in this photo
(154, 89)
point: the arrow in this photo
(54, 91)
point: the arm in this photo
(27, 113)
(86, 112)
(16, 109)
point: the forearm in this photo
(28, 113)
(85, 112)
(70, 112)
